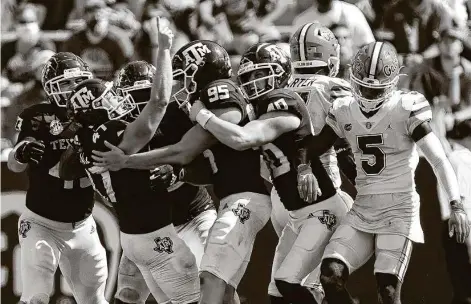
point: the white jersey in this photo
(385, 154)
(319, 91)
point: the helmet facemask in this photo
(371, 93)
(58, 87)
(115, 106)
(184, 92)
(250, 88)
(139, 94)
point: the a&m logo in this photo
(82, 98)
(25, 226)
(56, 127)
(195, 53)
(164, 244)
(328, 219)
(242, 212)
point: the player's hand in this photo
(114, 159)
(30, 152)
(196, 107)
(308, 187)
(458, 223)
(162, 177)
(163, 32)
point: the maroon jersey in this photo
(234, 171)
(48, 195)
(281, 154)
(130, 191)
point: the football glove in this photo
(30, 152)
(162, 177)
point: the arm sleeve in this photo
(312, 146)
(435, 155)
(331, 121)
(345, 159)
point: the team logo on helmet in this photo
(164, 244)
(196, 53)
(242, 212)
(25, 226)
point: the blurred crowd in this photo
(432, 37)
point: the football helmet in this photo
(135, 79)
(314, 45)
(195, 65)
(94, 102)
(263, 68)
(60, 73)
(374, 74)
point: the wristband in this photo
(304, 167)
(203, 117)
(456, 206)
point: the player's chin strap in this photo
(435, 155)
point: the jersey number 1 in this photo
(369, 146)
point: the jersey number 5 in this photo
(218, 93)
(369, 146)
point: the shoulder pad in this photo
(342, 102)
(285, 100)
(410, 99)
(111, 131)
(36, 117)
(287, 94)
(222, 93)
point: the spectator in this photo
(374, 11)
(7, 11)
(446, 80)
(56, 13)
(144, 42)
(329, 12)
(16, 55)
(104, 47)
(414, 26)
(235, 24)
(31, 93)
(345, 38)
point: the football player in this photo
(148, 237)
(383, 125)
(281, 120)
(315, 56)
(57, 228)
(202, 70)
(193, 211)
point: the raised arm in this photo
(141, 130)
